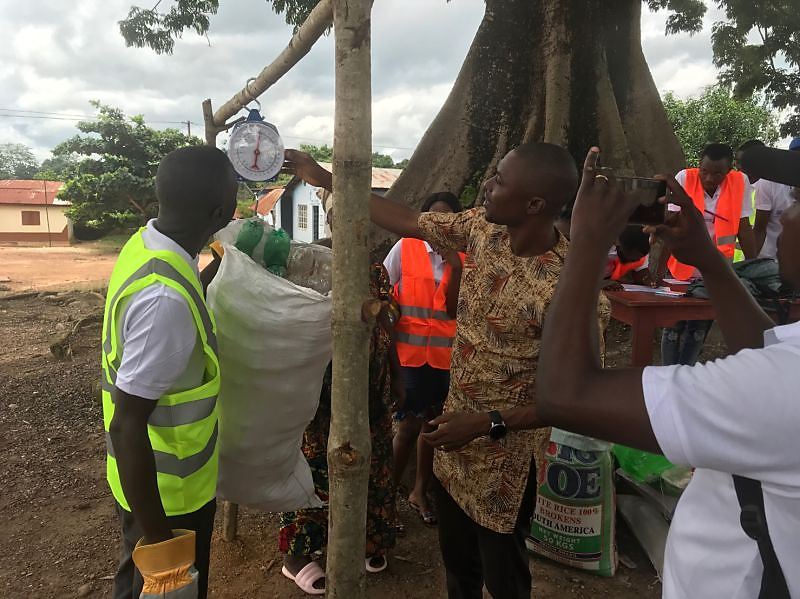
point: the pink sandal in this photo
(381, 564)
(305, 578)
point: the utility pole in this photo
(189, 128)
(47, 215)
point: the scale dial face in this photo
(256, 151)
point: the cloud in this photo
(60, 55)
(682, 63)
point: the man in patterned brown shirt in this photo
(486, 489)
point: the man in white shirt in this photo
(735, 416)
(772, 199)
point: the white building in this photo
(303, 218)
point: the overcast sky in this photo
(57, 56)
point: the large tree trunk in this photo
(563, 71)
(349, 447)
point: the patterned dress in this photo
(501, 309)
(306, 531)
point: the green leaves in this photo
(324, 153)
(150, 28)
(17, 162)
(112, 170)
(295, 11)
(687, 15)
(758, 50)
(718, 116)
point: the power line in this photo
(40, 112)
(60, 116)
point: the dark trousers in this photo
(683, 343)
(474, 555)
(128, 582)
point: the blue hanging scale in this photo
(255, 147)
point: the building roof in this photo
(382, 178)
(30, 193)
(267, 201)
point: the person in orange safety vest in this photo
(723, 196)
(426, 287)
(628, 260)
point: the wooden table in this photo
(645, 312)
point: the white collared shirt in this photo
(393, 265)
(737, 415)
(773, 198)
(161, 351)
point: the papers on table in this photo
(655, 290)
(676, 282)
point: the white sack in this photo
(274, 346)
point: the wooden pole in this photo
(230, 520)
(230, 511)
(349, 446)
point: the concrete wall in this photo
(288, 215)
(13, 231)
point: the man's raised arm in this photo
(387, 214)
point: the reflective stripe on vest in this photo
(183, 426)
(421, 341)
(168, 463)
(415, 312)
(729, 208)
(425, 330)
(158, 267)
(177, 415)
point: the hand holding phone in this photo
(649, 211)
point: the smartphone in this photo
(649, 211)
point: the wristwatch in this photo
(498, 429)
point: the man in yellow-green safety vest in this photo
(160, 380)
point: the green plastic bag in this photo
(640, 465)
(574, 522)
(276, 252)
(249, 236)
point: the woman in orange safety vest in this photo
(426, 287)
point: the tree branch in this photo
(318, 21)
(137, 206)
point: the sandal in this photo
(305, 578)
(374, 569)
(428, 516)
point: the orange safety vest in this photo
(729, 208)
(425, 331)
(622, 268)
